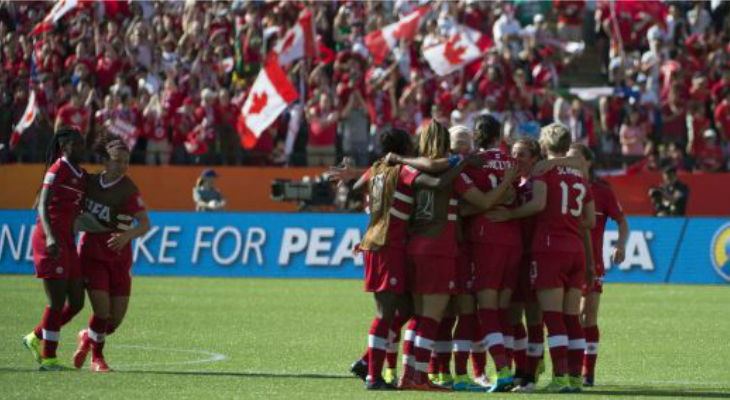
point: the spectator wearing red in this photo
(721, 86)
(722, 117)
(381, 101)
(570, 19)
(323, 117)
(183, 122)
(155, 129)
(226, 117)
(108, 66)
(697, 125)
(709, 157)
(73, 113)
(674, 118)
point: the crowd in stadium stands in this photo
(162, 73)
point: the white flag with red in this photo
(463, 47)
(126, 130)
(298, 41)
(269, 96)
(29, 116)
(59, 9)
(381, 42)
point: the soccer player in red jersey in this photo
(560, 263)
(383, 247)
(607, 206)
(496, 252)
(432, 248)
(106, 257)
(528, 342)
(54, 249)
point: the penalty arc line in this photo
(210, 356)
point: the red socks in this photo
(478, 350)
(409, 361)
(535, 348)
(444, 345)
(493, 338)
(519, 353)
(463, 342)
(377, 346)
(557, 341)
(427, 329)
(97, 336)
(391, 356)
(576, 344)
(51, 331)
(506, 329)
(591, 353)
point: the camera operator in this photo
(671, 197)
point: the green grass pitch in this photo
(197, 338)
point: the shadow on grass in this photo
(643, 391)
(231, 374)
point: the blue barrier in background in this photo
(676, 250)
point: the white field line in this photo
(208, 356)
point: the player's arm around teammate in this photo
(106, 257)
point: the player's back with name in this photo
(558, 225)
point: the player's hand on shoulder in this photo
(474, 160)
(119, 240)
(392, 159)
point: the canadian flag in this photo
(29, 116)
(463, 47)
(382, 41)
(269, 96)
(298, 41)
(59, 9)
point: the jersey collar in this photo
(77, 173)
(110, 184)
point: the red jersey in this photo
(69, 188)
(722, 119)
(558, 225)
(106, 200)
(527, 225)
(445, 244)
(72, 116)
(487, 178)
(606, 206)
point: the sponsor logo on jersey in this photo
(720, 252)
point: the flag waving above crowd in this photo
(29, 116)
(269, 96)
(463, 47)
(57, 12)
(298, 41)
(381, 42)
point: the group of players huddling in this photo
(468, 237)
(105, 207)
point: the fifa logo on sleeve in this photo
(720, 252)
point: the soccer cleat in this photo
(433, 378)
(559, 384)
(427, 386)
(528, 387)
(445, 380)
(503, 382)
(360, 370)
(483, 381)
(462, 383)
(52, 364)
(99, 365)
(576, 383)
(34, 345)
(379, 384)
(390, 375)
(588, 381)
(83, 349)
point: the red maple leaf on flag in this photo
(288, 42)
(258, 103)
(453, 53)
